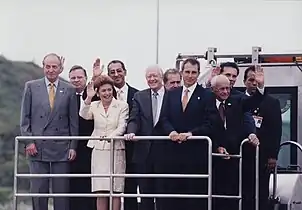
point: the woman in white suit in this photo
(110, 119)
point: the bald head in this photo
(219, 80)
(154, 77)
(221, 87)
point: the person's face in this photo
(106, 93)
(78, 79)
(250, 83)
(222, 90)
(173, 81)
(231, 74)
(154, 79)
(190, 74)
(117, 73)
(52, 68)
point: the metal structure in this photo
(111, 175)
(255, 57)
(274, 199)
(286, 74)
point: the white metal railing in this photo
(111, 174)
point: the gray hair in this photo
(155, 68)
(217, 79)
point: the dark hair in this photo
(77, 67)
(230, 65)
(168, 72)
(192, 61)
(103, 80)
(250, 68)
(116, 61)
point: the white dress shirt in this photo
(123, 93)
(47, 82)
(160, 97)
(191, 90)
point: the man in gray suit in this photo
(49, 108)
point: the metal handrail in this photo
(111, 175)
(298, 146)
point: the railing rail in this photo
(111, 174)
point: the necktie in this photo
(120, 95)
(79, 101)
(185, 99)
(222, 111)
(154, 107)
(51, 95)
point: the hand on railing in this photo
(179, 137)
(130, 137)
(222, 150)
(253, 139)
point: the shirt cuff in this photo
(261, 90)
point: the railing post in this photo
(15, 188)
(256, 176)
(210, 174)
(111, 171)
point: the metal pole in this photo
(257, 179)
(210, 174)
(157, 31)
(255, 55)
(240, 173)
(15, 189)
(111, 171)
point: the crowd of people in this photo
(173, 105)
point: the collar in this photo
(191, 88)
(48, 82)
(219, 102)
(160, 92)
(81, 93)
(246, 93)
(124, 89)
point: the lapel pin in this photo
(198, 98)
(229, 104)
(61, 91)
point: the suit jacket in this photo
(195, 119)
(37, 119)
(235, 108)
(141, 123)
(270, 131)
(110, 124)
(249, 124)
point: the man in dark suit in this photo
(117, 71)
(49, 108)
(186, 115)
(230, 130)
(82, 164)
(143, 121)
(268, 121)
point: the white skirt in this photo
(100, 164)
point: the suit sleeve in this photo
(122, 121)
(134, 118)
(249, 124)
(206, 129)
(252, 102)
(164, 122)
(25, 119)
(275, 129)
(73, 118)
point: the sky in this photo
(82, 31)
